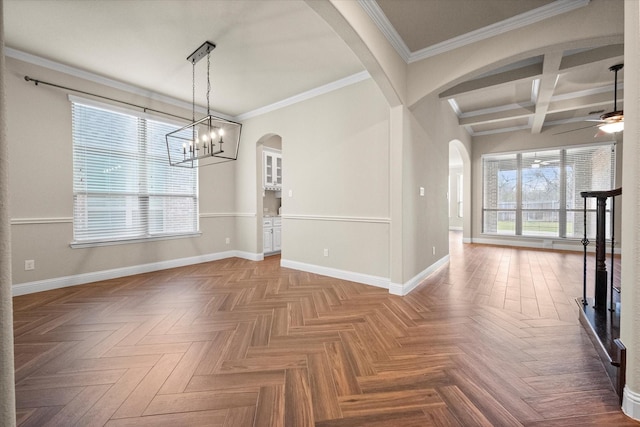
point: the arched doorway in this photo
(460, 189)
(269, 194)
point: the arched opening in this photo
(460, 189)
(269, 193)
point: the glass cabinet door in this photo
(268, 169)
(278, 180)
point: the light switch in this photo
(290, 193)
(422, 191)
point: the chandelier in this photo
(209, 140)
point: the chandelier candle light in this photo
(209, 140)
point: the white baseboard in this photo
(251, 256)
(377, 281)
(80, 279)
(380, 282)
(467, 240)
(631, 403)
(404, 289)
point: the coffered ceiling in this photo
(554, 90)
(557, 90)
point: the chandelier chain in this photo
(193, 96)
(208, 82)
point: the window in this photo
(538, 193)
(123, 186)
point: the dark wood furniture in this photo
(600, 315)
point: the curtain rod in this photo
(143, 108)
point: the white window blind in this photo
(123, 185)
(537, 193)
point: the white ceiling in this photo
(268, 51)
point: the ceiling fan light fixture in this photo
(613, 121)
(613, 127)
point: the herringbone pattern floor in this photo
(490, 339)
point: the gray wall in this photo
(336, 167)
(41, 193)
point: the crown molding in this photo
(382, 22)
(96, 78)
(454, 106)
(86, 75)
(531, 17)
(321, 90)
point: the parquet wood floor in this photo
(492, 339)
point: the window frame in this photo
(562, 208)
(143, 194)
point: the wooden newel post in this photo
(600, 297)
(600, 294)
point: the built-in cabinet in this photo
(271, 182)
(272, 170)
(271, 234)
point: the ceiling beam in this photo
(497, 116)
(597, 100)
(507, 77)
(548, 80)
(588, 57)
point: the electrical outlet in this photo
(326, 252)
(422, 191)
(434, 250)
(29, 264)
(290, 193)
(227, 240)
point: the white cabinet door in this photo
(277, 238)
(267, 240)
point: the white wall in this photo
(335, 151)
(41, 192)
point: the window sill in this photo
(541, 237)
(81, 245)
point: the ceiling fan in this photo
(537, 163)
(614, 121)
(610, 122)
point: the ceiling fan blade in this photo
(573, 130)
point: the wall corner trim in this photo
(96, 276)
(631, 403)
(377, 281)
(251, 256)
(410, 285)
